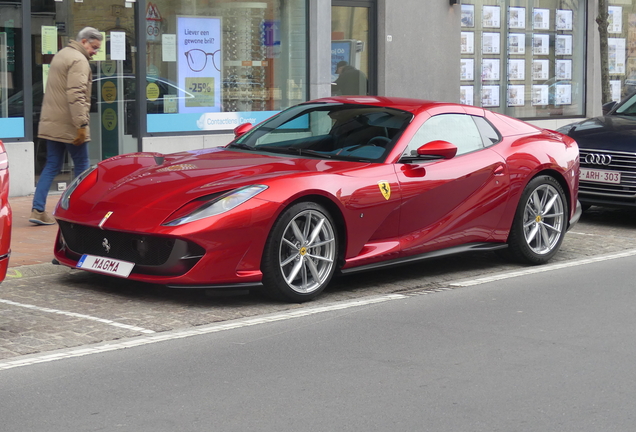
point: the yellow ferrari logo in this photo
(106, 216)
(385, 188)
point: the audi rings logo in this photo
(598, 159)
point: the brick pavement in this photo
(30, 244)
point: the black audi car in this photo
(607, 146)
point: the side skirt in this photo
(471, 247)
(244, 285)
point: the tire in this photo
(540, 222)
(300, 254)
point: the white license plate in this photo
(600, 176)
(105, 265)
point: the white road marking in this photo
(283, 316)
(77, 315)
(180, 334)
(541, 269)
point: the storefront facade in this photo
(179, 75)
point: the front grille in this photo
(139, 249)
(622, 162)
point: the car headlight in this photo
(65, 201)
(220, 204)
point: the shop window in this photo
(11, 80)
(228, 62)
(622, 48)
(524, 58)
(350, 50)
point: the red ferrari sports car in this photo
(340, 184)
(5, 213)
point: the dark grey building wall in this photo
(418, 49)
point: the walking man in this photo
(65, 115)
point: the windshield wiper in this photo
(241, 146)
(296, 150)
(314, 153)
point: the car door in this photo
(448, 202)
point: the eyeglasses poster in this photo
(199, 61)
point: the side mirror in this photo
(608, 107)
(438, 149)
(242, 129)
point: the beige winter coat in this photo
(67, 99)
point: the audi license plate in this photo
(600, 176)
(105, 265)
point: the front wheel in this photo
(300, 254)
(540, 222)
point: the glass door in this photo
(113, 113)
(352, 48)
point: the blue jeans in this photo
(54, 161)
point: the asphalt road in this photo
(551, 351)
(53, 308)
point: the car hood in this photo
(149, 187)
(610, 132)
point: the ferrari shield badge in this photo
(385, 188)
(105, 218)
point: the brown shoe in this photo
(41, 218)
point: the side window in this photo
(457, 129)
(488, 132)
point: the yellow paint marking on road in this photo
(16, 273)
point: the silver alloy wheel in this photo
(543, 219)
(307, 251)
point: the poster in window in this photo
(631, 35)
(563, 45)
(541, 44)
(516, 70)
(616, 55)
(563, 69)
(467, 69)
(563, 19)
(516, 95)
(615, 19)
(540, 94)
(615, 90)
(491, 17)
(49, 39)
(541, 19)
(516, 18)
(563, 94)
(117, 45)
(516, 43)
(490, 96)
(491, 43)
(490, 69)
(540, 70)
(468, 43)
(199, 64)
(468, 15)
(466, 94)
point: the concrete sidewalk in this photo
(31, 244)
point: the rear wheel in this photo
(540, 222)
(300, 253)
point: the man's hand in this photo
(81, 136)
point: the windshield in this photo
(628, 107)
(330, 131)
